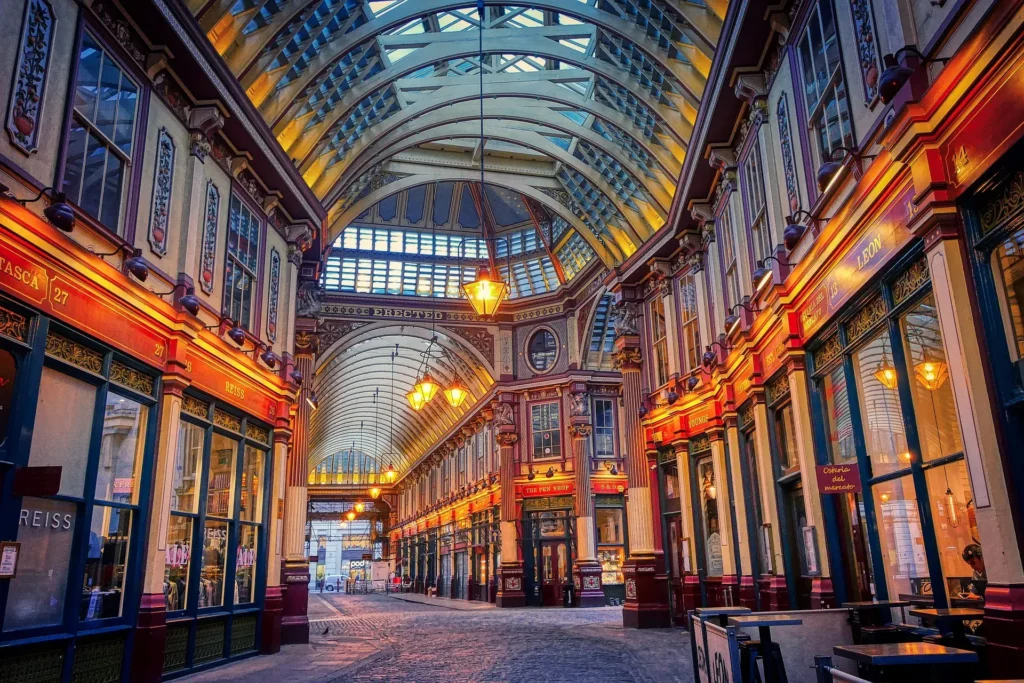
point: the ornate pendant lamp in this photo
(375, 493)
(427, 386)
(415, 398)
(931, 374)
(390, 473)
(456, 392)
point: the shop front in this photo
(548, 548)
(610, 519)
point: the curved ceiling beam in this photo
(609, 252)
(279, 105)
(299, 139)
(539, 95)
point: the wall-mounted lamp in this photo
(794, 229)
(763, 274)
(614, 470)
(270, 358)
(550, 473)
(312, 400)
(190, 302)
(709, 358)
(733, 319)
(532, 475)
(894, 74)
(296, 377)
(692, 382)
(59, 213)
(830, 171)
(237, 334)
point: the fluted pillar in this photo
(295, 623)
(586, 571)
(510, 573)
(273, 604)
(644, 571)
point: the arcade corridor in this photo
(378, 638)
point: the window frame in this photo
(252, 326)
(612, 429)
(133, 176)
(660, 369)
(754, 186)
(689, 322)
(556, 430)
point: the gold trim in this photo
(193, 406)
(827, 351)
(866, 317)
(257, 433)
(131, 378)
(700, 444)
(226, 420)
(74, 353)
(13, 325)
(777, 388)
(913, 278)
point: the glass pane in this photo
(77, 138)
(934, 409)
(221, 477)
(880, 408)
(110, 83)
(785, 434)
(124, 440)
(837, 412)
(543, 349)
(89, 62)
(956, 529)
(1008, 270)
(211, 576)
(611, 560)
(177, 562)
(899, 525)
(106, 562)
(36, 593)
(63, 428)
(609, 526)
(245, 564)
(709, 514)
(252, 485)
(185, 483)
(93, 176)
(110, 210)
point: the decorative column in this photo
(294, 622)
(690, 597)
(510, 573)
(273, 605)
(644, 571)
(586, 571)
(151, 630)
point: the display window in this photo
(87, 415)
(611, 544)
(216, 533)
(882, 378)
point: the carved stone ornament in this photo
(301, 235)
(579, 405)
(627, 359)
(507, 439)
(25, 107)
(294, 255)
(580, 431)
(624, 318)
(503, 415)
(308, 301)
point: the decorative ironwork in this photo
(193, 406)
(777, 389)
(828, 350)
(26, 105)
(788, 159)
(275, 290)
(13, 325)
(746, 414)
(209, 258)
(549, 503)
(74, 353)
(866, 317)
(131, 378)
(209, 641)
(913, 278)
(243, 634)
(226, 420)
(32, 665)
(176, 648)
(99, 661)
(700, 443)
(257, 433)
(867, 46)
(1003, 203)
(608, 500)
(163, 181)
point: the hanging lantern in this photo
(415, 399)
(952, 509)
(350, 515)
(375, 493)
(427, 386)
(456, 393)
(485, 294)
(886, 374)
(360, 507)
(390, 473)
(931, 374)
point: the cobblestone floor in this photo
(379, 639)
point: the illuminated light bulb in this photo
(360, 507)
(952, 509)
(484, 294)
(886, 374)
(390, 473)
(375, 493)
(905, 456)
(427, 386)
(885, 497)
(350, 515)
(415, 399)
(931, 374)
(456, 393)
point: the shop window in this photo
(881, 411)
(98, 157)
(671, 481)
(659, 340)
(542, 350)
(1008, 271)
(708, 499)
(604, 428)
(690, 323)
(753, 186)
(61, 437)
(825, 95)
(901, 538)
(609, 526)
(546, 429)
(952, 507)
(242, 264)
(785, 438)
(842, 447)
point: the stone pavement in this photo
(364, 638)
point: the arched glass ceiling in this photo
(359, 367)
(588, 104)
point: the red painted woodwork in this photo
(646, 603)
(151, 638)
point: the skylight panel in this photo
(398, 53)
(411, 28)
(380, 7)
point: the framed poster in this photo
(684, 550)
(810, 551)
(766, 548)
(9, 552)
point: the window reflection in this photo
(901, 538)
(950, 500)
(106, 560)
(211, 580)
(124, 437)
(1008, 268)
(881, 412)
(222, 470)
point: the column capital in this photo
(507, 439)
(307, 343)
(627, 359)
(174, 385)
(580, 431)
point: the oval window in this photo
(542, 350)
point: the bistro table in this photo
(886, 662)
(720, 615)
(872, 613)
(950, 620)
(763, 623)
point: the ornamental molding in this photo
(579, 404)
(28, 89)
(479, 338)
(333, 330)
(627, 359)
(131, 378)
(625, 315)
(163, 184)
(274, 295)
(74, 353)
(543, 394)
(535, 313)
(208, 258)
(123, 32)
(13, 325)
(580, 431)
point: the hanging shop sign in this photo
(557, 488)
(882, 239)
(53, 292)
(836, 479)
